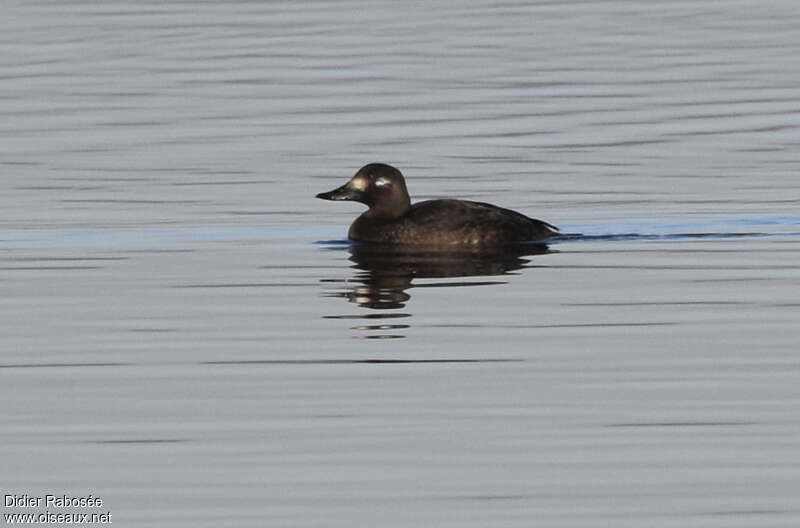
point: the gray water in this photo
(186, 335)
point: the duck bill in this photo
(341, 193)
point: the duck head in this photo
(380, 187)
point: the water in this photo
(187, 336)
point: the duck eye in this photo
(380, 182)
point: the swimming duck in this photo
(445, 224)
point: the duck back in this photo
(452, 223)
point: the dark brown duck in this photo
(391, 219)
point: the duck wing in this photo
(479, 220)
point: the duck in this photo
(441, 224)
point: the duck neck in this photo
(389, 210)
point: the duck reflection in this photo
(384, 275)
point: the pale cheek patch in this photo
(359, 184)
(380, 182)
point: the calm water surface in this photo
(187, 336)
